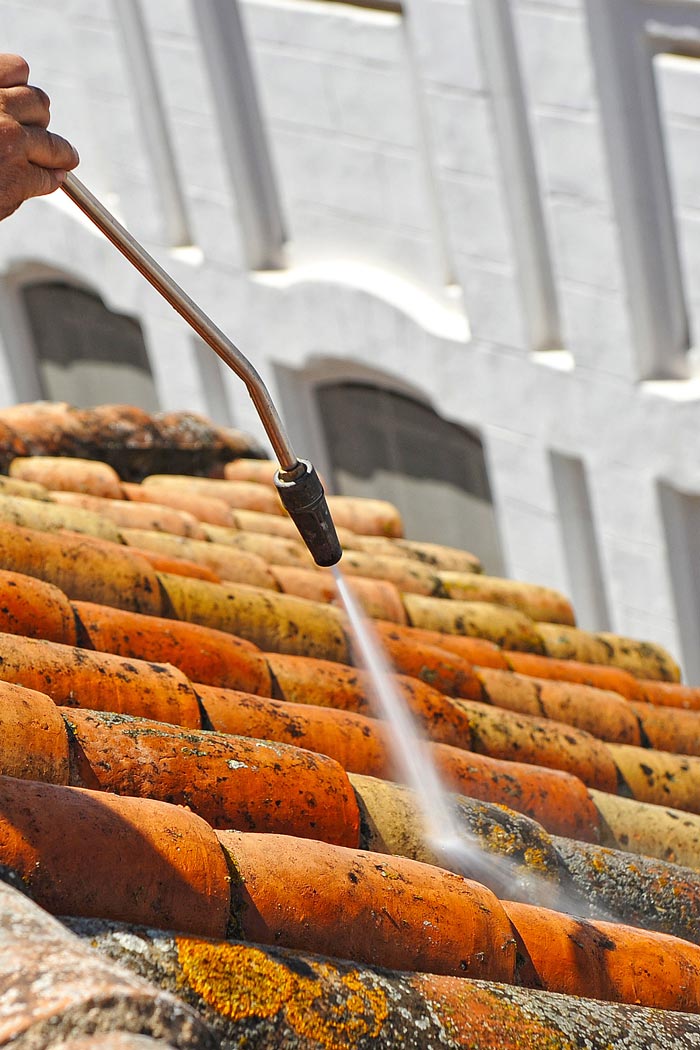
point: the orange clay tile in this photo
(34, 425)
(276, 622)
(132, 860)
(10, 441)
(378, 598)
(600, 712)
(409, 576)
(508, 628)
(33, 738)
(178, 566)
(358, 743)
(612, 678)
(444, 670)
(572, 643)
(542, 742)
(230, 781)
(15, 487)
(261, 471)
(433, 555)
(558, 800)
(227, 564)
(135, 515)
(50, 517)
(476, 651)
(361, 745)
(201, 653)
(275, 525)
(274, 550)
(72, 475)
(214, 511)
(540, 603)
(101, 681)
(366, 517)
(246, 495)
(670, 728)
(83, 568)
(641, 658)
(326, 684)
(34, 608)
(603, 960)
(670, 694)
(654, 831)
(387, 912)
(659, 777)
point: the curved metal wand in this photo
(297, 482)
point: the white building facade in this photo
(459, 239)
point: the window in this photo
(86, 354)
(391, 446)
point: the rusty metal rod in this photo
(196, 318)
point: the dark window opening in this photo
(86, 354)
(390, 446)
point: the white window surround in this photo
(625, 35)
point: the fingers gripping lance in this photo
(297, 482)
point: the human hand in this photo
(33, 161)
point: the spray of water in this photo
(452, 845)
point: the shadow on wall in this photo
(391, 446)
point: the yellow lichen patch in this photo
(501, 841)
(243, 983)
(536, 859)
(504, 842)
(472, 1016)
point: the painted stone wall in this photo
(492, 205)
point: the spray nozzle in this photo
(302, 494)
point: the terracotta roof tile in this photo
(200, 628)
(133, 442)
(93, 853)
